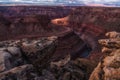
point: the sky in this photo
(86, 2)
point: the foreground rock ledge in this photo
(109, 67)
(24, 59)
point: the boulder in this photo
(10, 57)
(5, 61)
(16, 53)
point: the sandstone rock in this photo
(107, 50)
(109, 67)
(24, 72)
(61, 21)
(113, 34)
(113, 42)
(110, 43)
(96, 74)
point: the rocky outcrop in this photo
(24, 59)
(40, 59)
(109, 67)
(40, 51)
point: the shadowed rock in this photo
(5, 61)
(24, 72)
(16, 54)
(40, 51)
(10, 57)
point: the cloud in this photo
(86, 2)
(16, 0)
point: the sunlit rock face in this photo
(61, 21)
(109, 67)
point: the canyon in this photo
(54, 43)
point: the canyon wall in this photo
(73, 54)
(89, 23)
